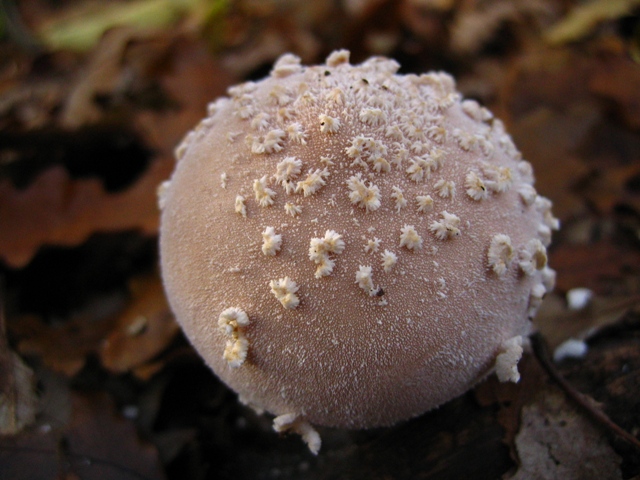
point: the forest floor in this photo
(96, 380)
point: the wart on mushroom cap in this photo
(331, 173)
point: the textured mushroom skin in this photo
(433, 324)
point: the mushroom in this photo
(376, 250)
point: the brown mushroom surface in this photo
(350, 247)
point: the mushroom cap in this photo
(352, 245)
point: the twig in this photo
(541, 351)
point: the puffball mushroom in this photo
(350, 247)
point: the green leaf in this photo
(584, 18)
(83, 29)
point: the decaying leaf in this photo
(142, 330)
(191, 79)
(476, 23)
(573, 112)
(557, 323)
(63, 347)
(548, 140)
(610, 374)
(96, 444)
(510, 398)
(18, 400)
(556, 441)
(58, 210)
(102, 75)
(617, 79)
(596, 266)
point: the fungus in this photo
(271, 241)
(459, 272)
(285, 290)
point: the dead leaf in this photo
(617, 79)
(557, 323)
(191, 78)
(18, 400)
(608, 188)
(595, 266)
(64, 346)
(476, 23)
(509, 398)
(555, 441)
(548, 140)
(142, 330)
(102, 75)
(58, 210)
(96, 444)
(610, 374)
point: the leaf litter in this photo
(112, 360)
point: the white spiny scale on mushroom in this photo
(375, 249)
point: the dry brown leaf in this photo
(58, 210)
(555, 441)
(548, 140)
(557, 323)
(476, 23)
(126, 334)
(511, 397)
(96, 444)
(191, 78)
(18, 400)
(610, 370)
(142, 330)
(608, 188)
(101, 75)
(63, 348)
(594, 266)
(617, 78)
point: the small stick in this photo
(541, 351)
